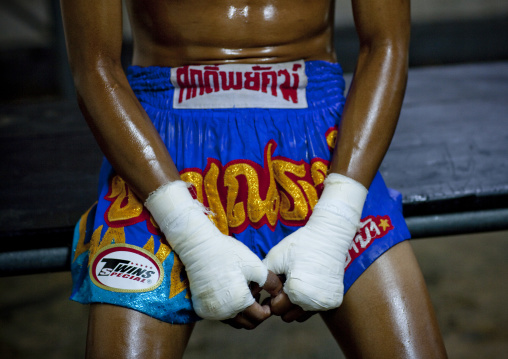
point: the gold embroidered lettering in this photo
(196, 179)
(300, 210)
(310, 192)
(256, 207)
(235, 211)
(214, 202)
(331, 138)
(318, 171)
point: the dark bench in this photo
(449, 158)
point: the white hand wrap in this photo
(313, 257)
(219, 267)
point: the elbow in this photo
(97, 82)
(392, 53)
(95, 74)
(391, 46)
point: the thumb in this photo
(275, 259)
(273, 284)
(254, 270)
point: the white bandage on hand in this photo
(219, 267)
(313, 257)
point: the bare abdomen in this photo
(171, 32)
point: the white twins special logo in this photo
(239, 85)
(126, 268)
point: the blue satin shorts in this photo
(255, 142)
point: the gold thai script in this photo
(242, 193)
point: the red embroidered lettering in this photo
(371, 229)
(228, 80)
(289, 91)
(265, 80)
(196, 75)
(182, 79)
(252, 81)
(205, 86)
(211, 72)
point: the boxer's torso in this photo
(180, 32)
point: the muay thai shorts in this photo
(255, 142)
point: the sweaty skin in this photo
(180, 32)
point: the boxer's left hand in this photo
(281, 306)
(313, 257)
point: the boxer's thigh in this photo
(387, 313)
(117, 332)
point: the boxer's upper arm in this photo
(93, 31)
(382, 22)
(123, 130)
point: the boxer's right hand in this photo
(255, 314)
(219, 267)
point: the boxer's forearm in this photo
(124, 132)
(377, 91)
(93, 30)
(370, 116)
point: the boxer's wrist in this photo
(344, 197)
(167, 202)
(180, 217)
(166, 198)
